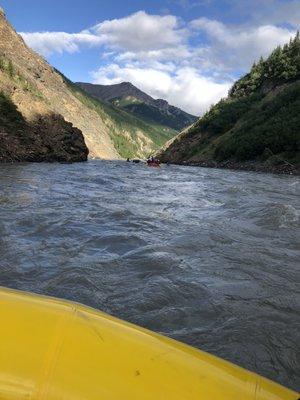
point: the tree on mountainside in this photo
(281, 66)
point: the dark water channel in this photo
(209, 257)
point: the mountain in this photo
(257, 127)
(44, 115)
(30, 130)
(129, 98)
(131, 136)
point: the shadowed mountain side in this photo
(45, 138)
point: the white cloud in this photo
(167, 54)
(191, 65)
(141, 32)
(47, 43)
(240, 46)
(185, 88)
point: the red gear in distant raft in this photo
(153, 162)
(53, 349)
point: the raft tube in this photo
(154, 165)
(52, 349)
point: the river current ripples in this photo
(209, 257)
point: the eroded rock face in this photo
(45, 138)
(58, 140)
(45, 103)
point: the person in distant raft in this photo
(153, 162)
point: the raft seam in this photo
(53, 353)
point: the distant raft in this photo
(53, 349)
(153, 164)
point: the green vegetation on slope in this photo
(283, 65)
(8, 68)
(125, 127)
(152, 115)
(134, 101)
(260, 119)
(272, 128)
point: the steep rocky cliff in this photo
(46, 137)
(30, 129)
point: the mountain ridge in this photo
(130, 98)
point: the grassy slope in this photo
(123, 122)
(259, 121)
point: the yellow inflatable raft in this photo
(57, 350)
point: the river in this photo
(209, 257)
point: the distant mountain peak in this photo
(129, 84)
(143, 106)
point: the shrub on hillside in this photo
(275, 126)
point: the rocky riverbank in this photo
(282, 169)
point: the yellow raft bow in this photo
(57, 350)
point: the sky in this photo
(188, 52)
